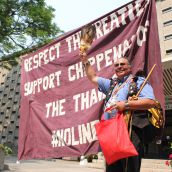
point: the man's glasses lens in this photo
(120, 64)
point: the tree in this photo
(25, 25)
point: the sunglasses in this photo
(119, 64)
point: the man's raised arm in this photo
(90, 72)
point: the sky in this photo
(71, 14)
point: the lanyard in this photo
(118, 87)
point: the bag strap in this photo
(132, 90)
(110, 90)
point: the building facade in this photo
(164, 15)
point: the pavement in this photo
(51, 165)
(66, 165)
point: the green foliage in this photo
(7, 150)
(25, 24)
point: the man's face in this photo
(122, 68)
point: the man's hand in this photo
(83, 56)
(120, 106)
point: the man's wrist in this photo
(126, 105)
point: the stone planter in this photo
(2, 158)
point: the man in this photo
(118, 101)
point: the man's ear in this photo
(129, 65)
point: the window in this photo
(168, 52)
(167, 37)
(167, 23)
(166, 10)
